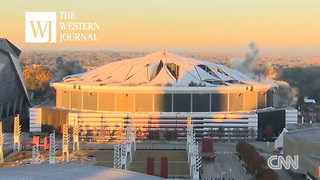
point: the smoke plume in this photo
(66, 68)
(284, 96)
(246, 66)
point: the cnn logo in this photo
(277, 162)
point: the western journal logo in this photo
(41, 27)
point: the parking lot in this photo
(225, 166)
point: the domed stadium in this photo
(157, 93)
(162, 82)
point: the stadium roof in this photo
(161, 68)
(69, 171)
(13, 53)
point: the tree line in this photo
(255, 164)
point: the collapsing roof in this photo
(161, 69)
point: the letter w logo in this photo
(40, 27)
(42, 31)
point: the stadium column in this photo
(172, 102)
(1, 144)
(134, 102)
(8, 108)
(191, 102)
(20, 103)
(210, 101)
(228, 102)
(1, 109)
(98, 99)
(244, 101)
(15, 101)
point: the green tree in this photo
(37, 79)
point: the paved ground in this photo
(177, 162)
(226, 164)
(69, 172)
(103, 157)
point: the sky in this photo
(143, 24)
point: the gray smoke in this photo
(284, 96)
(246, 66)
(66, 68)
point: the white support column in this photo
(193, 151)
(117, 157)
(123, 154)
(53, 148)
(128, 142)
(35, 155)
(1, 144)
(133, 139)
(65, 143)
(133, 132)
(189, 133)
(76, 131)
(16, 134)
(196, 168)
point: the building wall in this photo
(146, 122)
(143, 103)
(236, 101)
(47, 119)
(161, 102)
(107, 101)
(53, 119)
(250, 101)
(13, 99)
(262, 99)
(90, 100)
(9, 81)
(301, 148)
